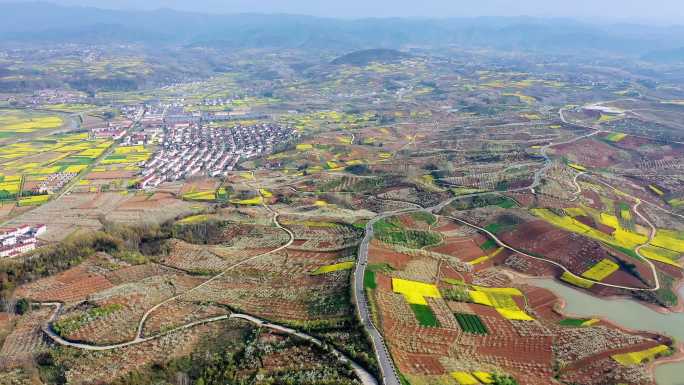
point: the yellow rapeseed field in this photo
(331, 268)
(414, 291)
(575, 280)
(636, 358)
(601, 270)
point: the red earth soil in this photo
(74, 284)
(377, 253)
(465, 249)
(589, 152)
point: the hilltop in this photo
(364, 57)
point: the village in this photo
(192, 145)
(19, 240)
(355, 214)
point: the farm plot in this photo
(201, 190)
(636, 358)
(92, 367)
(501, 299)
(576, 281)
(178, 313)
(601, 270)
(465, 248)
(578, 322)
(18, 122)
(195, 258)
(332, 268)
(10, 186)
(577, 344)
(471, 323)
(117, 171)
(280, 286)
(322, 235)
(48, 163)
(393, 232)
(590, 153)
(157, 208)
(577, 252)
(113, 314)
(415, 293)
(73, 285)
(666, 247)
(26, 338)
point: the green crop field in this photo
(369, 280)
(471, 323)
(424, 315)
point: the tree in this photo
(22, 306)
(498, 379)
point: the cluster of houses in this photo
(55, 96)
(54, 182)
(191, 149)
(19, 240)
(113, 132)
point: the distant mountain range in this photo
(49, 23)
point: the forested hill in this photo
(49, 23)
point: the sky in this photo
(656, 11)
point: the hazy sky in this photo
(666, 11)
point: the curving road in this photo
(389, 373)
(387, 369)
(363, 375)
(565, 269)
(141, 324)
(386, 364)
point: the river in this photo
(629, 314)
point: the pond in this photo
(627, 313)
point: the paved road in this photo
(603, 129)
(47, 329)
(141, 324)
(363, 375)
(388, 371)
(565, 269)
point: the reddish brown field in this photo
(137, 273)
(25, 339)
(573, 251)
(525, 199)
(380, 253)
(589, 152)
(593, 198)
(178, 313)
(466, 249)
(424, 364)
(542, 302)
(445, 225)
(407, 221)
(74, 284)
(589, 221)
